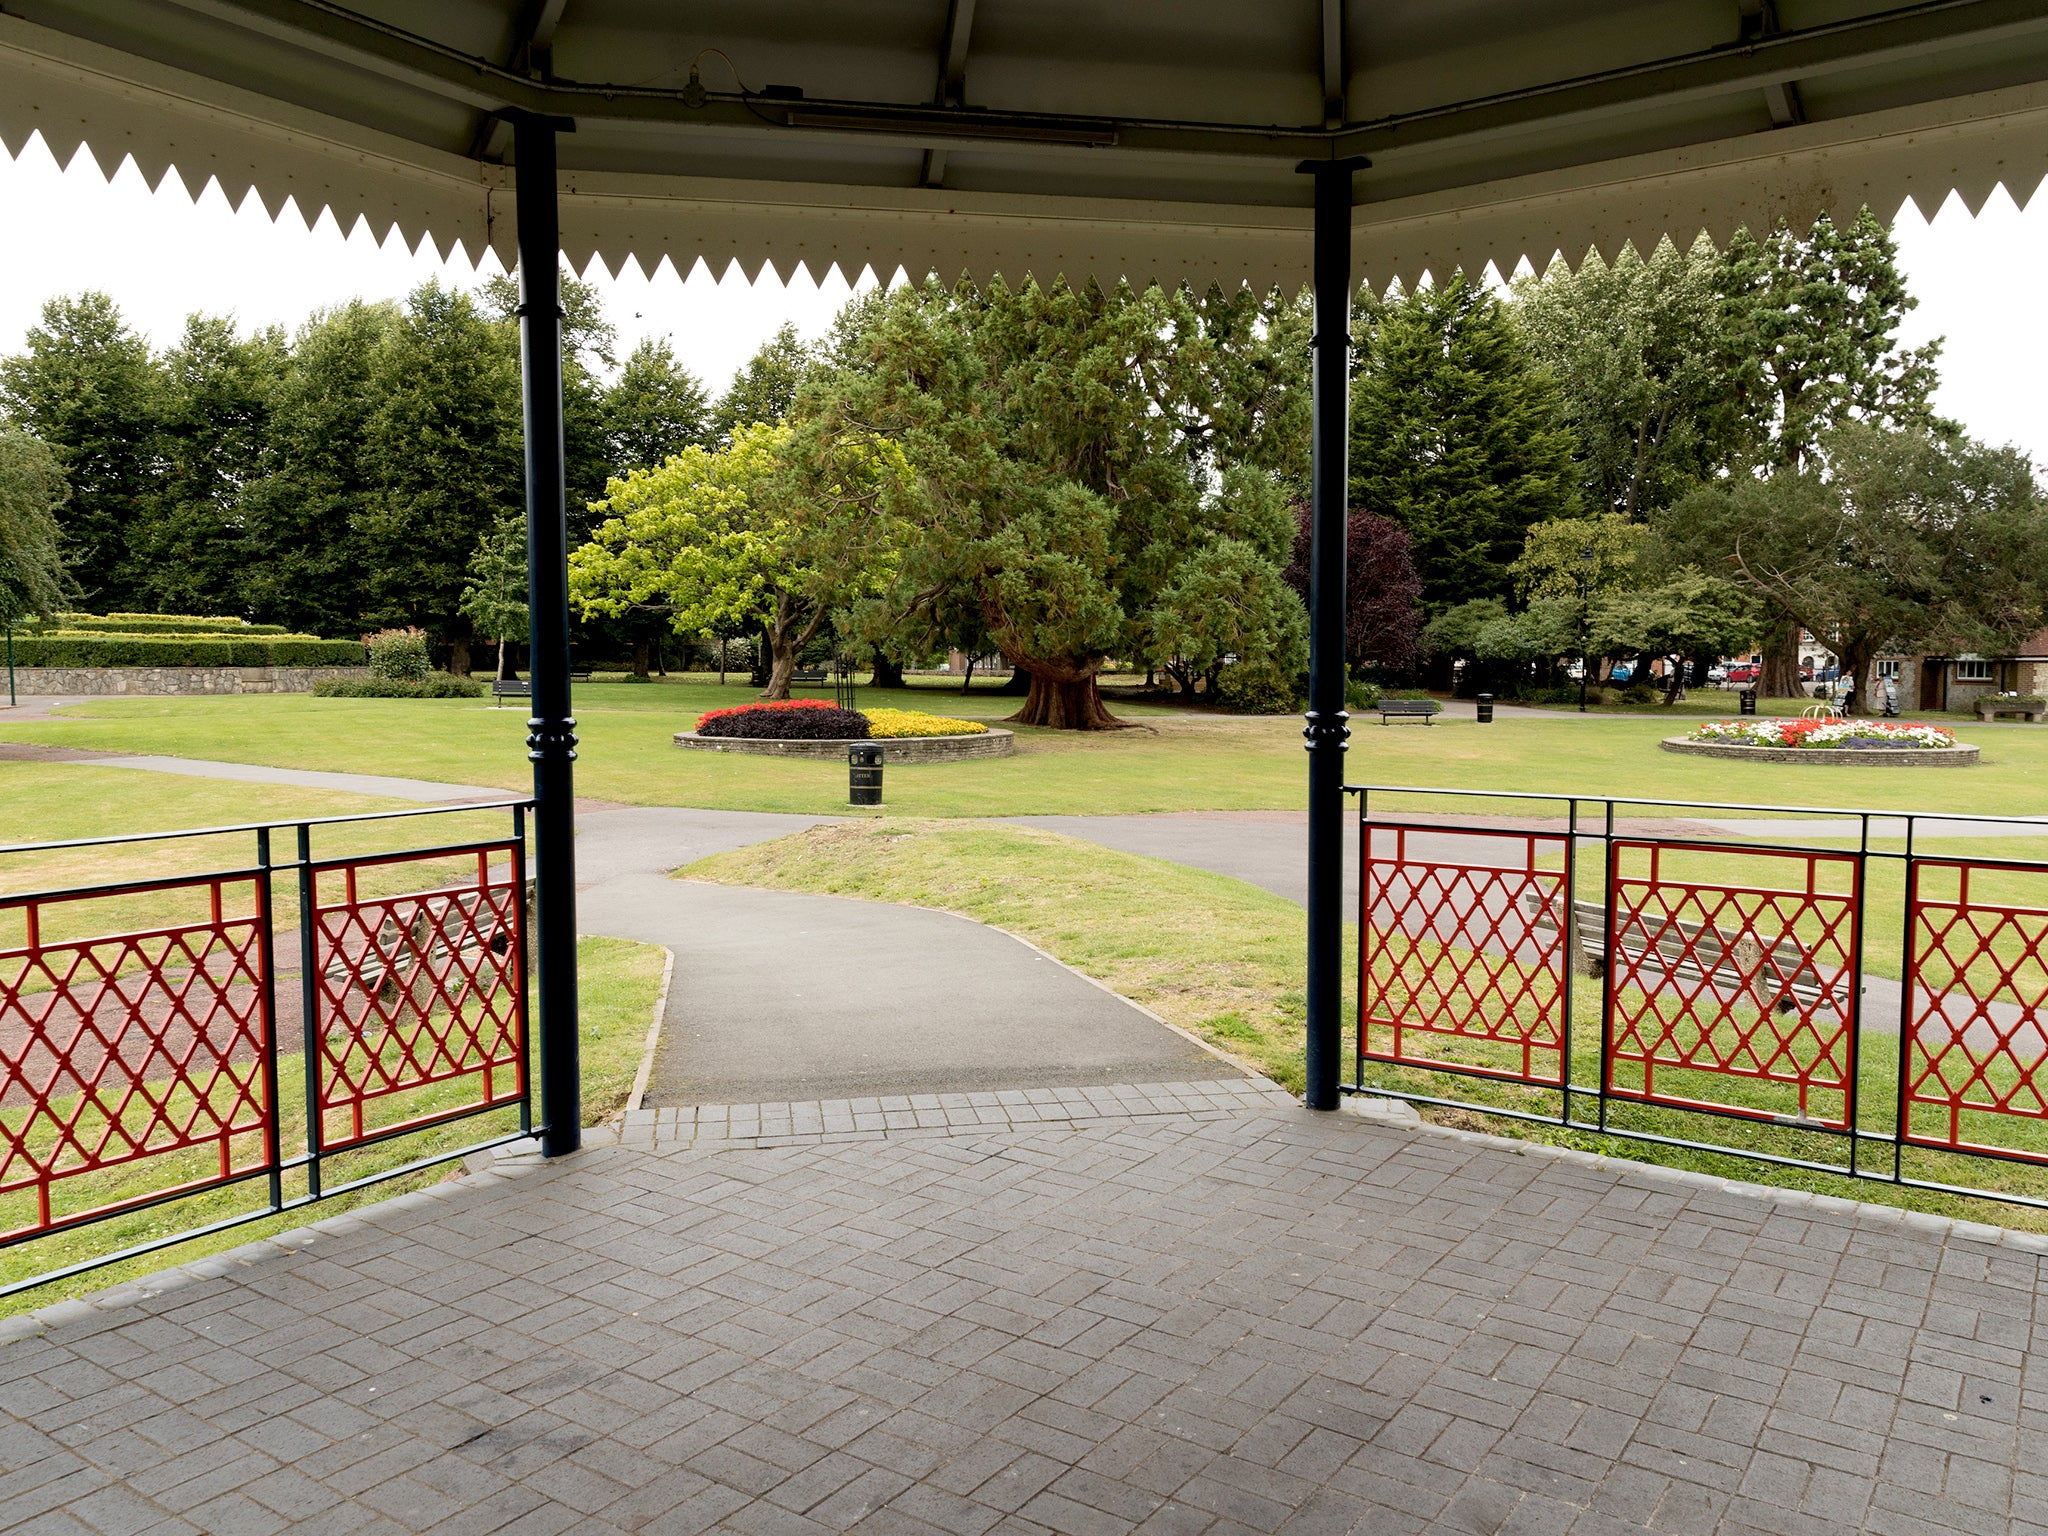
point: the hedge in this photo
(152, 624)
(68, 649)
(440, 686)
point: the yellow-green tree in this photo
(779, 529)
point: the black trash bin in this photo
(1749, 701)
(1486, 709)
(864, 773)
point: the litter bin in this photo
(864, 773)
(1486, 709)
(1749, 701)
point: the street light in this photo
(1585, 603)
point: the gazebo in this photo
(1319, 142)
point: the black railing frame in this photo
(312, 1159)
(1859, 1168)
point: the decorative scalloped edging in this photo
(1962, 755)
(994, 742)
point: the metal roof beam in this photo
(1760, 19)
(952, 90)
(1336, 65)
(1752, 65)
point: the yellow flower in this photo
(887, 723)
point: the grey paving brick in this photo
(1186, 1310)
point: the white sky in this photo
(163, 256)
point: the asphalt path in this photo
(780, 995)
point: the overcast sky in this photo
(161, 256)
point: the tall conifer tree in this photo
(1457, 434)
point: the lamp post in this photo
(1585, 617)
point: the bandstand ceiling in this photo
(1140, 138)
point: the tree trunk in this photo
(967, 682)
(504, 656)
(1018, 682)
(1778, 677)
(888, 674)
(640, 658)
(1065, 700)
(721, 661)
(458, 658)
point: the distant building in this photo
(1955, 682)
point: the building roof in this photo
(1104, 138)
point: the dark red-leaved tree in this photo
(1383, 607)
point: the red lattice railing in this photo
(1462, 960)
(1715, 980)
(134, 1066)
(421, 997)
(1975, 1011)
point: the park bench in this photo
(1408, 709)
(808, 675)
(1782, 975)
(509, 688)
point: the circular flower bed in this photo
(1870, 743)
(815, 728)
(1846, 735)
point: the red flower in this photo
(766, 704)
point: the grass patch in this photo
(1184, 762)
(1224, 960)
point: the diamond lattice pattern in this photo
(133, 1049)
(1976, 1006)
(1752, 983)
(416, 992)
(1453, 972)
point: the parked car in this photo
(1717, 674)
(1622, 673)
(1742, 674)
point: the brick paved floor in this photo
(1189, 1311)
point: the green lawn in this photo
(1223, 960)
(1186, 762)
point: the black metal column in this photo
(1328, 726)
(551, 732)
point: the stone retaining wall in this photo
(1959, 756)
(900, 749)
(175, 680)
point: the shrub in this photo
(438, 685)
(66, 649)
(1257, 688)
(1361, 696)
(398, 655)
(785, 720)
(890, 723)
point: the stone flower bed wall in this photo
(1958, 756)
(175, 680)
(895, 749)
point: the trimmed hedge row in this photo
(151, 624)
(118, 650)
(440, 686)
